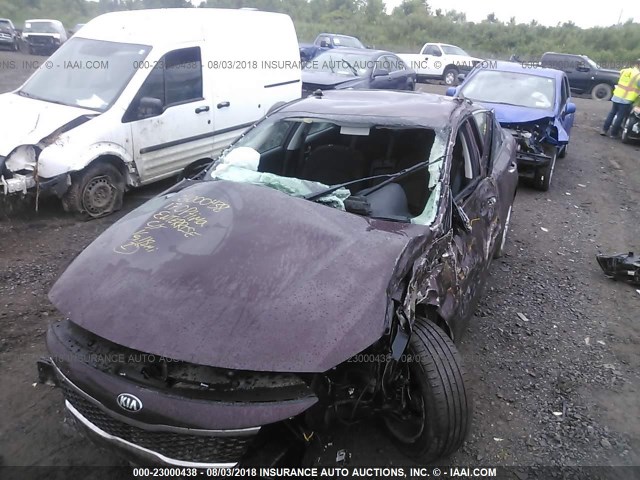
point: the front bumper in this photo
(23, 184)
(7, 41)
(170, 428)
(179, 447)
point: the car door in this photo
(170, 118)
(475, 194)
(396, 80)
(433, 55)
(497, 162)
(566, 119)
(579, 73)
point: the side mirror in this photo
(461, 77)
(451, 92)
(571, 108)
(381, 72)
(324, 43)
(151, 105)
(460, 218)
(437, 53)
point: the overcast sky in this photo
(546, 12)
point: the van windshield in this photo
(86, 73)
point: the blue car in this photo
(533, 104)
(352, 68)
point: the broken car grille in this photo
(178, 446)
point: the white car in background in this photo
(440, 61)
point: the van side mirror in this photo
(571, 108)
(151, 105)
(451, 92)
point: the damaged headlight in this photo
(22, 159)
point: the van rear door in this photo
(171, 117)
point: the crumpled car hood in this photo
(245, 278)
(25, 121)
(516, 114)
(511, 114)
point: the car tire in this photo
(450, 76)
(542, 180)
(602, 91)
(411, 85)
(625, 132)
(438, 381)
(501, 241)
(563, 151)
(96, 191)
(15, 46)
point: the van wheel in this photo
(602, 91)
(431, 411)
(95, 191)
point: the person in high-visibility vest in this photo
(626, 92)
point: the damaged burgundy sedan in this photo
(318, 273)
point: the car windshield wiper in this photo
(390, 177)
(353, 69)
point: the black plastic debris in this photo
(621, 266)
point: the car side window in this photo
(497, 138)
(566, 91)
(432, 50)
(175, 79)
(183, 76)
(481, 128)
(465, 161)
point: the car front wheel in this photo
(542, 180)
(96, 191)
(433, 407)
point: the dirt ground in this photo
(553, 350)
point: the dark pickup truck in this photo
(326, 41)
(585, 75)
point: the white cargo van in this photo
(135, 96)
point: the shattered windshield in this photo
(303, 157)
(86, 73)
(511, 88)
(347, 64)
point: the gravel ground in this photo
(553, 350)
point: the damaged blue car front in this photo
(533, 104)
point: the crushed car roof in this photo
(379, 107)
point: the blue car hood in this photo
(513, 114)
(327, 79)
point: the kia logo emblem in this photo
(129, 402)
